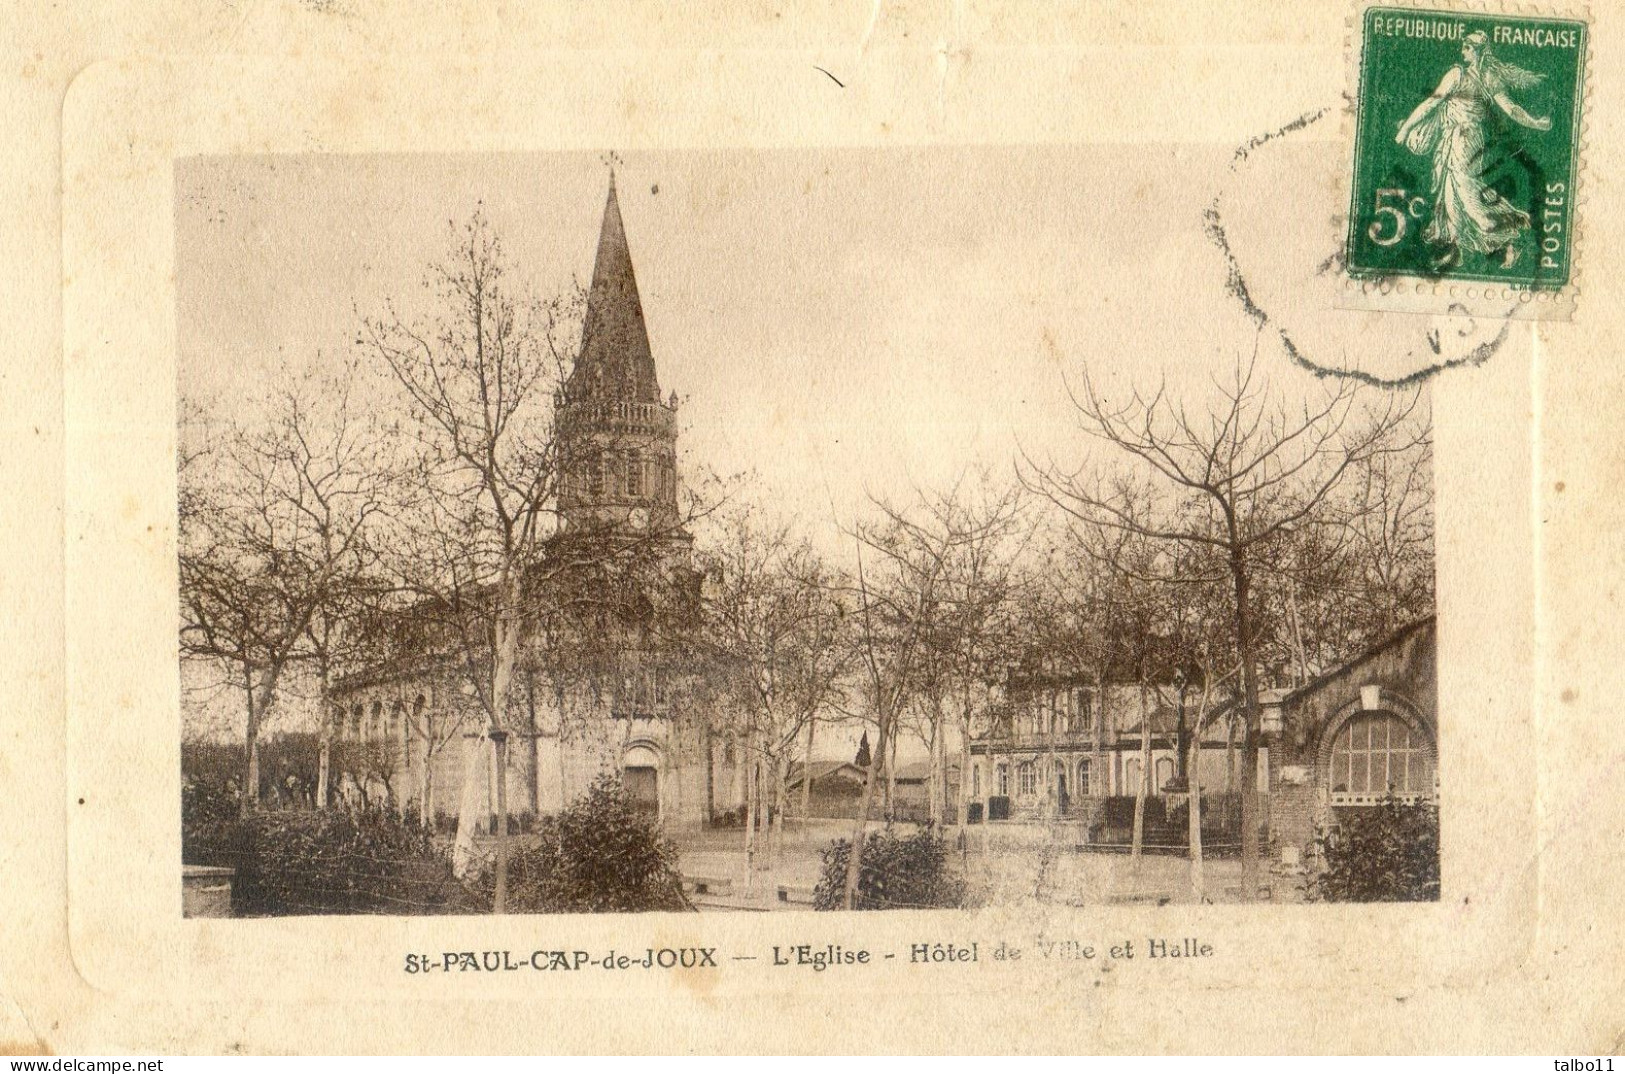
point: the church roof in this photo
(615, 361)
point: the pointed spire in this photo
(615, 361)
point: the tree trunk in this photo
(1144, 789)
(1193, 786)
(781, 794)
(502, 674)
(891, 782)
(324, 756)
(426, 799)
(1300, 655)
(854, 856)
(251, 752)
(806, 776)
(1098, 777)
(1052, 775)
(532, 749)
(710, 775)
(962, 806)
(499, 750)
(1182, 773)
(1249, 736)
(933, 780)
(751, 793)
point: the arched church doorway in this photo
(640, 773)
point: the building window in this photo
(375, 726)
(1026, 779)
(1376, 755)
(1004, 780)
(1084, 711)
(1083, 776)
(1165, 773)
(634, 475)
(595, 475)
(976, 781)
(1131, 776)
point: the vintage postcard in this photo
(612, 550)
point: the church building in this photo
(613, 683)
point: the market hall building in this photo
(1349, 738)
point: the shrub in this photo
(896, 872)
(602, 854)
(207, 802)
(728, 818)
(289, 761)
(334, 862)
(1386, 853)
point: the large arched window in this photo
(1083, 776)
(1377, 754)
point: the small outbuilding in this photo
(1354, 736)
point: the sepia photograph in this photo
(857, 528)
(780, 530)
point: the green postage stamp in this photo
(1466, 159)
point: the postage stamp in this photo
(1466, 159)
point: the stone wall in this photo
(206, 891)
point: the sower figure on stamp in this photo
(1453, 125)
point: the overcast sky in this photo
(838, 321)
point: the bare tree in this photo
(968, 625)
(1244, 472)
(900, 601)
(273, 539)
(479, 379)
(776, 625)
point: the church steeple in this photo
(615, 361)
(618, 440)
